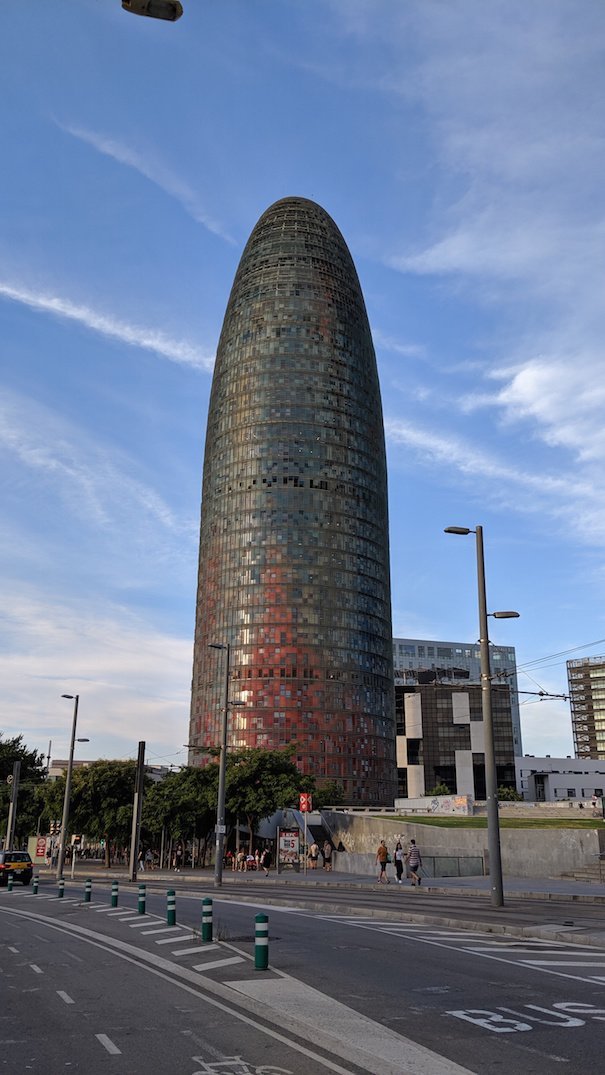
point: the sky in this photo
(460, 149)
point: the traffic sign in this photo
(220, 830)
(306, 802)
(41, 847)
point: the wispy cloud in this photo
(149, 166)
(133, 680)
(388, 343)
(580, 501)
(155, 340)
(95, 481)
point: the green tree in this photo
(101, 802)
(510, 795)
(259, 782)
(184, 804)
(439, 789)
(328, 793)
(30, 798)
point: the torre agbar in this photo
(294, 552)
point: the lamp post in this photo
(67, 796)
(491, 776)
(222, 768)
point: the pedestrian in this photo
(382, 857)
(414, 861)
(149, 859)
(265, 860)
(141, 860)
(399, 860)
(257, 859)
(314, 855)
(241, 860)
(327, 854)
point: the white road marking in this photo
(197, 948)
(65, 996)
(144, 922)
(389, 1053)
(108, 1044)
(174, 940)
(15, 950)
(36, 968)
(166, 929)
(562, 963)
(228, 961)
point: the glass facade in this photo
(294, 557)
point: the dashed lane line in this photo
(175, 940)
(65, 996)
(108, 1044)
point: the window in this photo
(571, 793)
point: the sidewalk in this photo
(553, 909)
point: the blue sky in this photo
(460, 149)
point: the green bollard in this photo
(61, 889)
(207, 920)
(87, 890)
(261, 942)
(142, 892)
(170, 907)
(35, 892)
(10, 882)
(114, 893)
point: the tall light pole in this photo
(491, 776)
(222, 768)
(67, 796)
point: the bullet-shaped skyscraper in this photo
(294, 547)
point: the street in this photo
(88, 986)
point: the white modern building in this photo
(558, 779)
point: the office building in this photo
(586, 679)
(439, 718)
(294, 557)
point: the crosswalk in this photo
(581, 962)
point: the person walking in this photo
(265, 860)
(382, 857)
(399, 857)
(327, 854)
(414, 862)
(314, 855)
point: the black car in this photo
(18, 863)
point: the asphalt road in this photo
(360, 990)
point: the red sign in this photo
(40, 847)
(306, 802)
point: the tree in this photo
(511, 795)
(30, 799)
(101, 801)
(329, 793)
(439, 789)
(184, 803)
(259, 782)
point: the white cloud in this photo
(133, 680)
(152, 169)
(579, 501)
(180, 351)
(94, 482)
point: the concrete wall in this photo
(525, 852)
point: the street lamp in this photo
(491, 776)
(168, 10)
(66, 798)
(221, 827)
